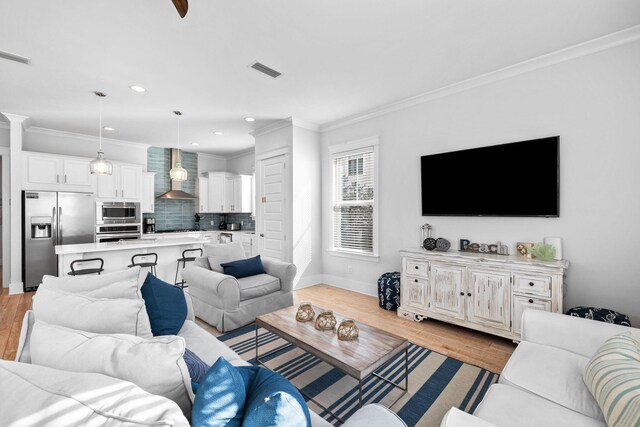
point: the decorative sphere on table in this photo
(305, 312)
(326, 321)
(442, 245)
(429, 243)
(348, 330)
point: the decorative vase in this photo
(348, 330)
(305, 312)
(326, 321)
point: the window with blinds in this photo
(353, 196)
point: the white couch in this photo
(542, 384)
(202, 343)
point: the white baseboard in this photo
(305, 282)
(16, 288)
(365, 288)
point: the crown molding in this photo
(242, 153)
(305, 125)
(83, 137)
(599, 44)
(272, 127)
(210, 156)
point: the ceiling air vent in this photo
(265, 70)
(12, 57)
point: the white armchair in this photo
(229, 303)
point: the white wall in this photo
(4, 135)
(72, 144)
(242, 163)
(211, 163)
(306, 205)
(592, 102)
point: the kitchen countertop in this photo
(144, 243)
(185, 233)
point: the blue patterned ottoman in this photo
(389, 290)
(601, 314)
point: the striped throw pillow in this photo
(613, 378)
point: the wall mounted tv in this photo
(516, 179)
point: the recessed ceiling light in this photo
(109, 128)
(249, 119)
(137, 88)
(195, 143)
(217, 133)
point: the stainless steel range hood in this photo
(175, 192)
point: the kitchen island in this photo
(117, 255)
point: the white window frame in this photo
(345, 149)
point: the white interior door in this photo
(272, 209)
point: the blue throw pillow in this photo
(197, 368)
(166, 306)
(273, 401)
(244, 267)
(221, 397)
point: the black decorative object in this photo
(442, 245)
(601, 314)
(429, 243)
(389, 290)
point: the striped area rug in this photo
(436, 382)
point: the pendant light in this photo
(100, 166)
(177, 172)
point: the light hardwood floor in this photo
(477, 348)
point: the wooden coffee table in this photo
(358, 359)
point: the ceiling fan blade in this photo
(182, 6)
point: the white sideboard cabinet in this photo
(486, 292)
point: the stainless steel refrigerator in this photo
(52, 218)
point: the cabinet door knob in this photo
(468, 294)
(416, 267)
(461, 293)
(530, 301)
(415, 280)
(531, 283)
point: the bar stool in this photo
(184, 260)
(151, 265)
(82, 271)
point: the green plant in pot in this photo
(543, 252)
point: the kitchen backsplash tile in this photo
(180, 214)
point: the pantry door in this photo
(272, 212)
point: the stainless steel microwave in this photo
(118, 213)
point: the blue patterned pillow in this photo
(273, 401)
(197, 368)
(221, 397)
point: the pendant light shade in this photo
(100, 166)
(178, 173)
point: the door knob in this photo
(462, 293)
(261, 235)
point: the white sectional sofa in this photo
(44, 391)
(542, 383)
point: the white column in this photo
(15, 149)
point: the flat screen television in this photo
(515, 179)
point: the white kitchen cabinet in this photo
(203, 195)
(216, 191)
(56, 173)
(125, 184)
(148, 192)
(230, 193)
(480, 291)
